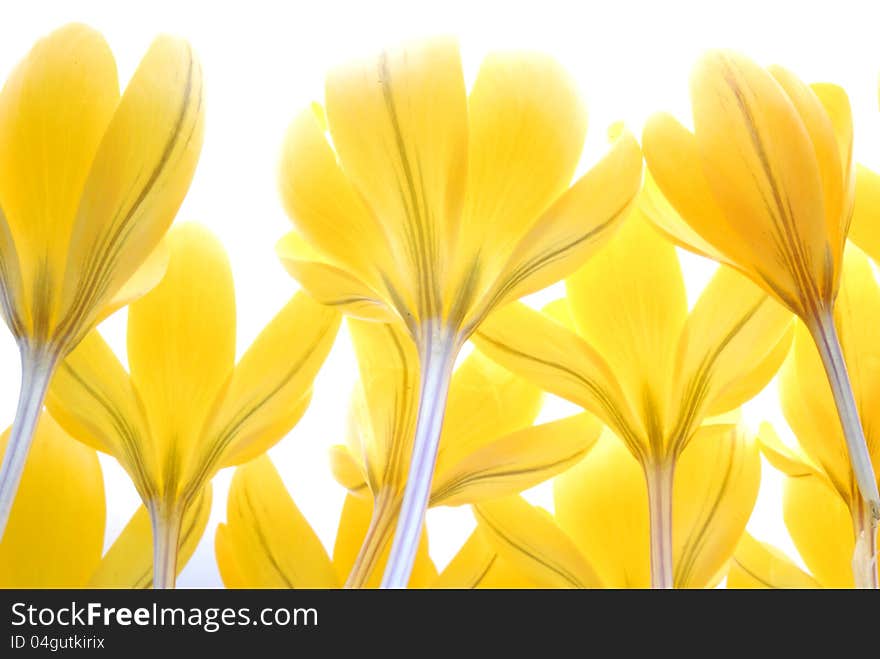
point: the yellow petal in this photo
(555, 358)
(271, 385)
(326, 209)
(527, 538)
(758, 565)
(399, 124)
(11, 285)
(92, 398)
(386, 410)
(836, 104)
(864, 230)
(729, 346)
(54, 110)
(129, 561)
(629, 303)
(761, 165)
(347, 470)
(329, 284)
(470, 565)
(137, 181)
(145, 279)
(353, 525)
(515, 462)
(526, 130)
(56, 528)
(577, 223)
(820, 525)
(267, 543)
(485, 402)
(181, 346)
(788, 460)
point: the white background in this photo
(264, 60)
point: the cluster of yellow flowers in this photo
(422, 213)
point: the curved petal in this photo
(181, 346)
(271, 384)
(515, 462)
(470, 565)
(56, 528)
(577, 223)
(485, 402)
(836, 104)
(528, 539)
(267, 543)
(555, 358)
(788, 460)
(629, 303)
(761, 165)
(820, 525)
(92, 398)
(145, 279)
(329, 284)
(758, 565)
(136, 183)
(731, 333)
(129, 561)
(322, 203)
(864, 230)
(347, 471)
(11, 284)
(54, 109)
(399, 125)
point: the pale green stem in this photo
(36, 372)
(437, 359)
(659, 478)
(828, 344)
(166, 521)
(864, 563)
(378, 534)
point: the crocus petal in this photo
(486, 401)
(347, 470)
(470, 565)
(629, 303)
(820, 525)
(576, 225)
(330, 284)
(145, 279)
(761, 166)
(516, 462)
(322, 203)
(556, 359)
(137, 181)
(266, 542)
(805, 395)
(54, 110)
(399, 125)
(787, 459)
(92, 398)
(353, 525)
(56, 528)
(865, 228)
(181, 343)
(11, 285)
(386, 406)
(129, 561)
(731, 333)
(526, 131)
(758, 565)
(271, 385)
(528, 539)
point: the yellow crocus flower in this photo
(55, 534)
(434, 206)
(623, 345)
(89, 183)
(599, 534)
(766, 184)
(488, 447)
(823, 510)
(185, 409)
(266, 542)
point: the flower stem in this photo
(166, 523)
(828, 344)
(378, 534)
(864, 563)
(659, 478)
(36, 372)
(437, 359)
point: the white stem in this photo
(437, 361)
(828, 344)
(864, 561)
(166, 537)
(659, 478)
(36, 371)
